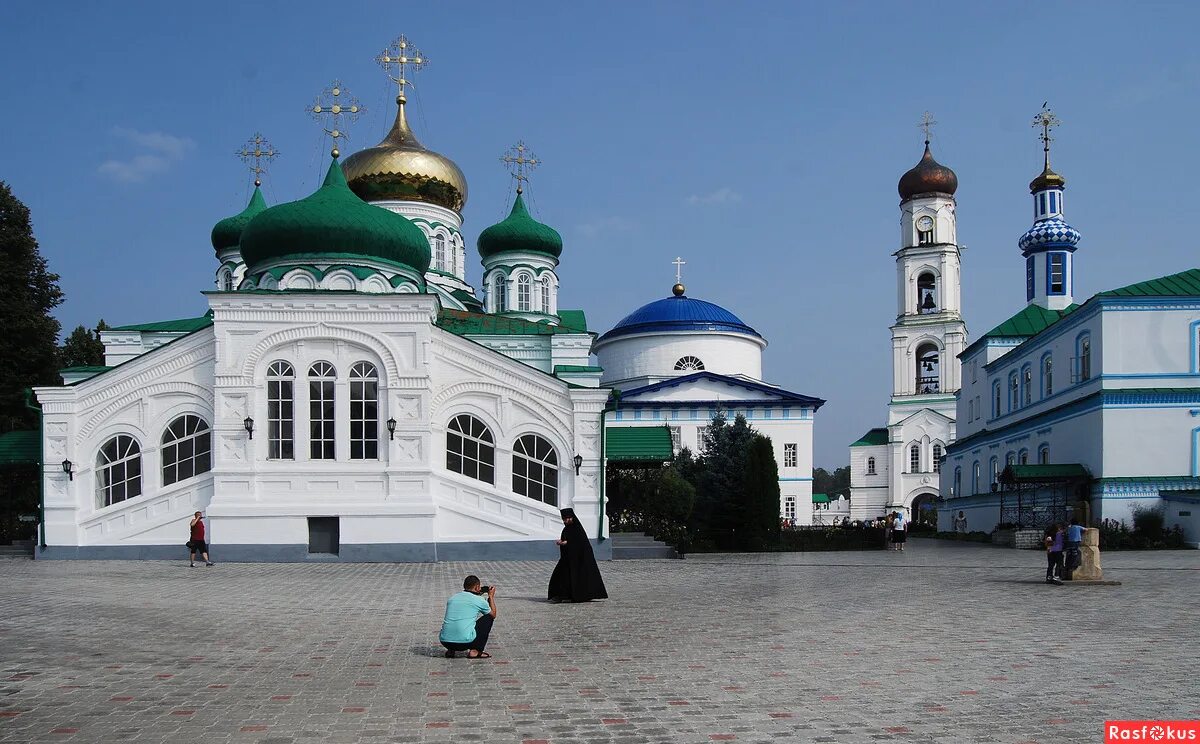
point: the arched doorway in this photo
(924, 510)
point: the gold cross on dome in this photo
(401, 56)
(679, 262)
(257, 153)
(927, 124)
(520, 162)
(1047, 121)
(335, 102)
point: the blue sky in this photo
(760, 141)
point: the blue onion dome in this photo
(679, 313)
(927, 177)
(333, 220)
(1049, 233)
(519, 232)
(227, 234)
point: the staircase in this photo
(636, 545)
(18, 549)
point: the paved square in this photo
(944, 643)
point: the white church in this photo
(349, 396)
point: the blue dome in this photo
(679, 313)
(1051, 233)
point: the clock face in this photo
(925, 223)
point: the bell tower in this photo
(929, 331)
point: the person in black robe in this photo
(576, 578)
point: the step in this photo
(643, 552)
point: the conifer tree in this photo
(83, 348)
(759, 513)
(28, 332)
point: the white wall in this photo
(655, 354)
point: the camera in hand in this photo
(484, 590)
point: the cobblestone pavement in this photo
(943, 643)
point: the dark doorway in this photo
(323, 535)
(924, 510)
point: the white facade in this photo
(647, 358)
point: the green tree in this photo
(759, 514)
(833, 484)
(719, 486)
(83, 348)
(28, 292)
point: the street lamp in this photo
(578, 463)
(249, 424)
(391, 425)
(66, 466)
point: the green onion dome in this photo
(519, 232)
(227, 233)
(333, 221)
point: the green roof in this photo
(85, 368)
(466, 298)
(227, 233)
(519, 232)
(576, 368)
(638, 443)
(872, 438)
(333, 220)
(1046, 472)
(183, 325)
(19, 448)
(1030, 321)
(466, 323)
(573, 319)
(1183, 284)
(820, 498)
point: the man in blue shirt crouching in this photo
(469, 619)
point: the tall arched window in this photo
(227, 281)
(546, 296)
(1023, 457)
(439, 252)
(364, 412)
(914, 459)
(186, 449)
(322, 443)
(996, 399)
(937, 458)
(1084, 361)
(499, 300)
(281, 422)
(975, 477)
(1014, 389)
(470, 449)
(928, 369)
(956, 489)
(1044, 455)
(1026, 385)
(1010, 459)
(870, 466)
(535, 469)
(1047, 376)
(994, 466)
(927, 293)
(689, 364)
(524, 293)
(118, 471)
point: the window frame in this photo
(198, 438)
(870, 466)
(689, 363)
(914, 458)
(524, 293)
(500, 292)
(127, 457)
(364, 411)
(526, 462)
(322, 411)
(1047, 374)
(281, 426)
(1056, 264)
(791, 454)
(479, 434)
(937, 457)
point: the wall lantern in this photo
(67, 466)
(249, 424)
(391, 425)
(578, 463)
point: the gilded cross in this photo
(520, 162)
(1047, 121)
(257, 153)
(335, 102)
(679, 262)
(926, 125)
(401, 56)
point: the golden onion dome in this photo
(401, 168)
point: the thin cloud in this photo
(604, 225)
(157, 152)
(723, 195)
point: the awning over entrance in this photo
(1044, 473)
(18, 448)
(638, 444)
(820, 498)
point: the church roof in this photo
(781, 395)
(679, 313)
(519, 232)
(465, 323)
(183, 325)
(872, 438)
(227, 233)
(1183, 284)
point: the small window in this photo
(914, 459)
(789, 508)
(535, 469)
(364, 412)
(1056, 268)
(1044, 455)
(689, 364)
(186, 449)
(323, 535)
(281, 379)
(1027, 385)
(676, 439)
(546, 296)
(1085, 358)
(975, 478)
(790, 455)
(524, 293)
(1010, 459)
(1023, 457)
(470, 449)
(1042, 204)
(996, 399)
(995, 470)
(227, 282)
(937, 458)
(1014, 388)
(1053, 202)
(927, 294)
(956, 488)
(928, 370)
(439, 252)
(1029, 283)
(1047, 376)
(499, 301)
(321, 440)
(870, 466)
(118, 471)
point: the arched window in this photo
(118, 471)
(995, 468)
(227, 281)
(186, 449)
(1010, 459)
(1014, 389)
(1047, 376)
(996, 399)
(524, 293)
(499, 301)
(546, 308)
(439, 252)
(535, 469)
(1084, 360)
(927, 293)
(321, 412)
(364, 412)
(956, 489)
(870, 466)
(1026, 385)
(470, 449)
(689, 364)
(928, 364)
(975, 478)
(1044, 455)
(937, 458)
(914, 459)
(281, 422)
(1023, 457)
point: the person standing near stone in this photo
(1055, 537)
(576, 578)
(1074, 540)
(960, 523)
(197, 543)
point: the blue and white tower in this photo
(1049, 246)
